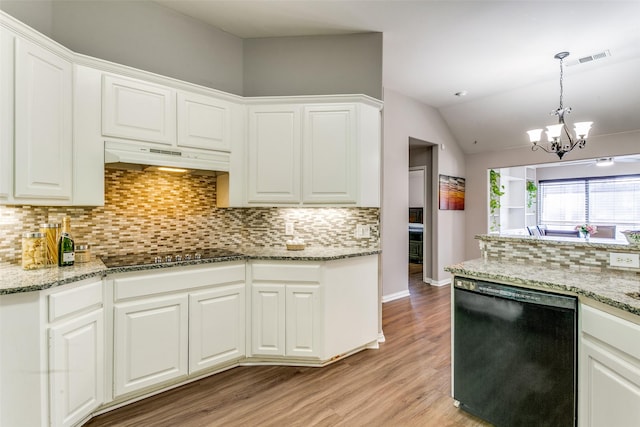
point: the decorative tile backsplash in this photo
(529, 250)
(158, 211)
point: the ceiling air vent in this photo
(589, 58)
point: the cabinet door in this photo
(76, 365)
(150, 342)
(268, 319)
(138, 110)
(216, 326)
(329, 147)
(203, 122)
(303, 321)
(6, 112)
(610, 388)
(42, 124)
(274, 154)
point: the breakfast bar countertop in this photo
(610, 288)
(14, 279)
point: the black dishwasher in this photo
(514, 354)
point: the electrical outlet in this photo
(363, 231)
(624, 260)
(288, 229)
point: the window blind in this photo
(600, 201)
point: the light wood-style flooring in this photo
(407, 382)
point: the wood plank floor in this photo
(404, 383)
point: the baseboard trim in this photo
(444, 282)
(397, 295)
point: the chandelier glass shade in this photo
(557, 142)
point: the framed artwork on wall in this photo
(451, 194)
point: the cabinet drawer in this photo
(617, 332)
(67, 302)
(286, 273)
(170, 280)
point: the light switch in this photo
(288, 229)
(363, 231)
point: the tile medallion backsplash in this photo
(158, 211)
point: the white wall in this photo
(142, 35)
(406, 118)
(36, 14)
(314, 65)
(478, 164)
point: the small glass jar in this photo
(83, 253)
(34, 252)
(51, 236)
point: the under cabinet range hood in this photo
(134, 155)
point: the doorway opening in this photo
(421, 207)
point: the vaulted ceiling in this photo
(499, 52)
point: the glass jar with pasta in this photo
(34, 253)
(51, 235)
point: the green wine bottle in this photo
(66, 248)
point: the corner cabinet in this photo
(609, 378)
(312, 312)
(316, 153)
(286, 307)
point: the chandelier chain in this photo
(561, 83)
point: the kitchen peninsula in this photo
(608, 325)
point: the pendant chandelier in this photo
(556, 142)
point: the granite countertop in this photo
(607, 287)
(14, 279)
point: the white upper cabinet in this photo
(88, 144)
(203, 122)
(134, 109)
(329, 146)
(274, 154)
(43, 145)
(6, 113)
(314, 153)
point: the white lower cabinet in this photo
(170, 324)
(313, 311)
(268, 319)
(216, 326)
(52, 351)
(150, 342)
(286, 320)
(98, 343)
(76, 365)
(609, 379)
(303, 320)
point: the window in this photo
(600, 201)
